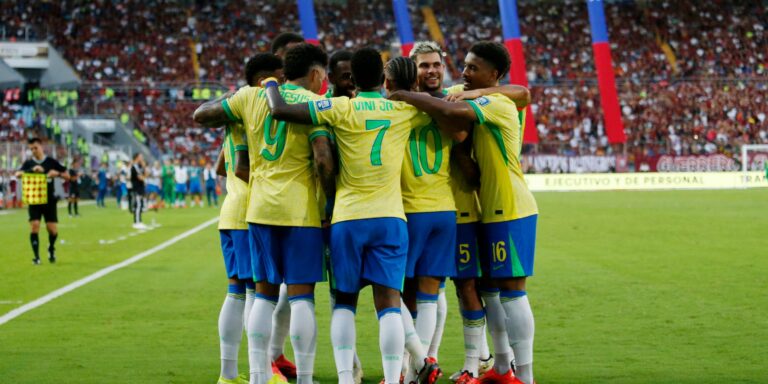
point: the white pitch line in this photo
(99, 274)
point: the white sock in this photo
(250, 294)
(391, 343)
(426, 322)
(303, 336)
(281, 324)
(473, 334)
(343, 340)
(485, 354)
(496, 322)
(442, 311)
(231, 330)
(259, 332)
(413, 345)
(520, 328)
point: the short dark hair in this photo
(367, 68)
(338, 57)
(135, 155)
(285, 38)
(300, 59)
(34, 140)
(494, 53)
(261, 62)
(402, 70)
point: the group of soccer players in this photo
(385, 187)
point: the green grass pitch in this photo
(630, 287)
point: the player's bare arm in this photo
(324, 161)
(242, 165)
(212, 113)
(294, 113)
(452, 118)
(520, 95)
(221, 168)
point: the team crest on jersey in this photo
(323, 105)
(482, 101)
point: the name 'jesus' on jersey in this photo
(282, 186)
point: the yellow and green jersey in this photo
(425, 180)
(465, 196)
(282, 186)
(371, 135)
(497, 141)
(232, 215)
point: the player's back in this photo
(232, 214)
(282, 184)
(371, 135)
(425, 181)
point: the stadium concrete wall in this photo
(646, 181)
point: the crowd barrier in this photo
(646, 181)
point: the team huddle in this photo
(389, 180)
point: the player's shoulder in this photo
(453, 89)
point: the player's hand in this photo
(53, 173)
(38, 169)
(464, 95)
(396, 95)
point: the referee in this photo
(40, 163)
(138, 176)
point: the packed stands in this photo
(691, 76)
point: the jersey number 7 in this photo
(371, 125)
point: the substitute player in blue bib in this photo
(508, 232)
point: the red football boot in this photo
(286, 367)
(493, 377)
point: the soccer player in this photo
(122, 186)
(369, 239)
(138, 183)
(283, 216)
(508, 229)
(169, 184)
(40, 163)
(340, 75)
(195, 184)
(209, 177)
(181, 176)
(283, 42)
(153, 186)
(103, 180)
(74, 187)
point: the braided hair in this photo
(402, 71)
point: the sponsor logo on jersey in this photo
(482, 101)
(323, 105)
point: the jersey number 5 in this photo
(278, 140)
(371, 125)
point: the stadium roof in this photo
(59, 74)
(9, 78)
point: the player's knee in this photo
(511, 284)
(385, 297)
(346, 299)
(429, 285)
(267, 289)
(300, 289)
(34, 226)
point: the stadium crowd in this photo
(668, 56)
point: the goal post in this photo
(754, 163)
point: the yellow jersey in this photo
(232, 215)
(371, 135)
(425, 180)
(497, 137)
(282, 186)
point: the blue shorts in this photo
(181, 188)
(194, 188)
(237, 254)
(291, 255)
(152, 188)
(467, 255)
(431, 244)
(508, 247)
(369, 251)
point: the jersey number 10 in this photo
(418, 149)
